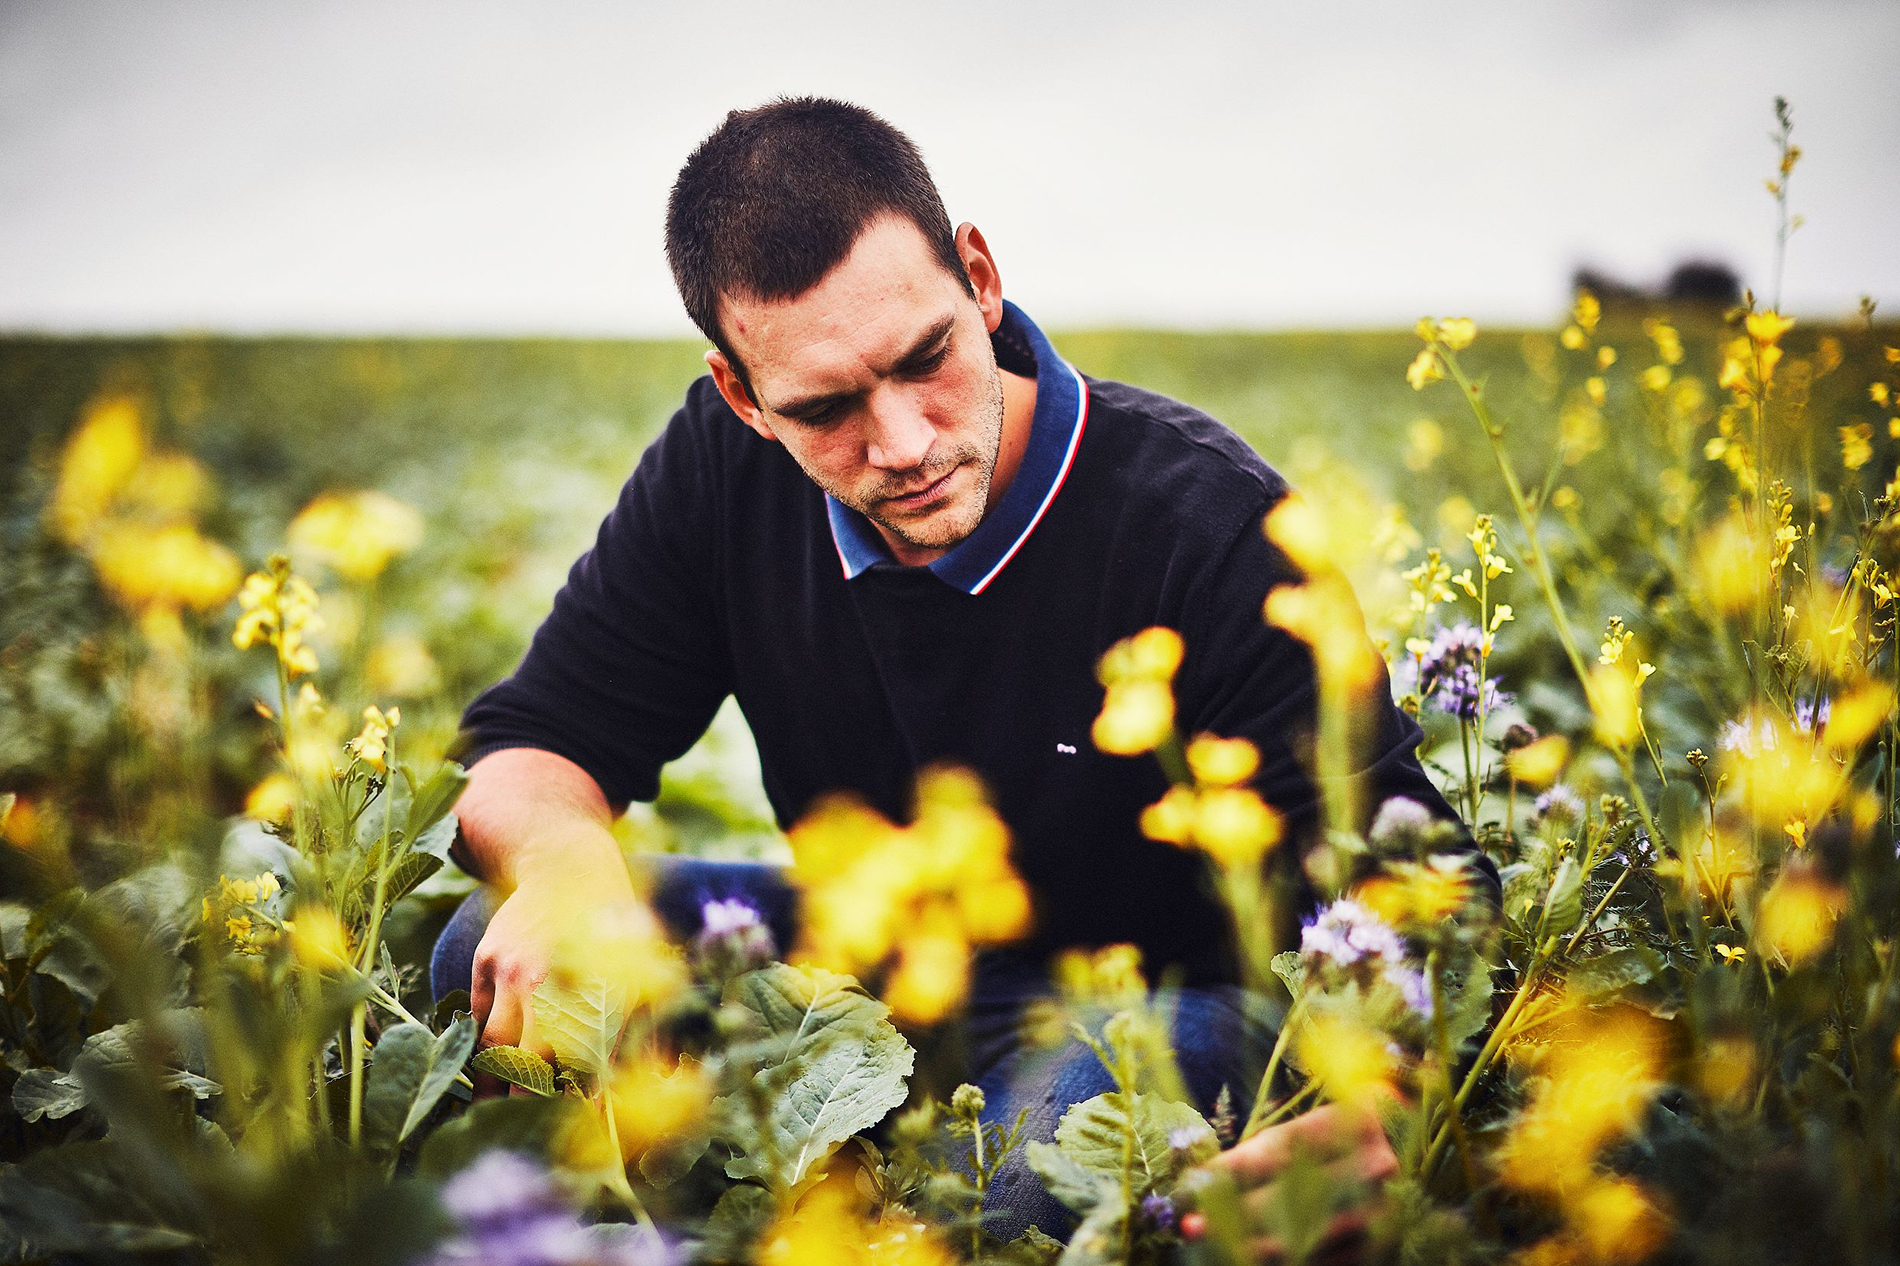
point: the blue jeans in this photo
(1217, 1042)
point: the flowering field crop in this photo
(1635, 576)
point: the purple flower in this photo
(511, 1214)
(1810, 718)
(1747, 737)
(1449, 673)
(1184, 1138)
(1158, 1210)
(1560, 806)
(719, 918)
(1401, 820)
(1346, 932)
(1413, 987)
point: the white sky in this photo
(386, 165)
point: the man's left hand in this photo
(1351, 1143)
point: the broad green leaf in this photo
(581, 1019)
(90, 1201)
(516, 1067)
(1081, 1189)
(1467, 996)
(1169, 1137)
(1563, 906)
(836, 1066)
(736, 1222)
(46, 1092)
(411, 1070)
(518, 1123)
(14, 918)
(175, 1059)
(1615, 971)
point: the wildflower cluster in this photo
(1138, 707)
(244, 912)
(1217, 813)
(280, 610)
(924, 893)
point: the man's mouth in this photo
(923, 496)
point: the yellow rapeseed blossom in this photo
(166, 568)
(1222, 762)
(1587, 312)
(1418, 895)
(373, 743)
(279, 608)
(356, 533)
(401, 665)
(1766, 328)
(656, 1100)
(1457, 333)
(827, 1228)
(1424, 370)
(99, 461)
(1593, 1080)
(1138, 708)
(1538, 763)
(927, 893)
(167, 486)
(1606, 356)
(272, 799)
(1657, 377)
(1797, 916)
(1857, 445)
(318, 939)
(1424, 444)
(1668, 341)
(1573, 338)
(1353, 1063)
(1324, 615)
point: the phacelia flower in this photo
(1158, 1210)
(511, 1214)
(1559, 806)
(1449, 673)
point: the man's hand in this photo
(539, 829)
(530, 926)
(1352, 1145)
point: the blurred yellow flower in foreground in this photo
(168, 568)
(99, 461)
(272, 799)
(1138, 708)
(1593, 1080)
(1538, 763)
(1797, 916)
(926, 893)
(1353, 1063)
(356, 533)
(656, 1100)
(318, 939)
(828, 1229)
(401, 665)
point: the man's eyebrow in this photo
(918, 350)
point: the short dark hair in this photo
(775, 198)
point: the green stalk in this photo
(1257, 1117)
(356, 1074)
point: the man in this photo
(901, 530)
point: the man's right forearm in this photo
(529, 813)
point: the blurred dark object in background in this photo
(1700, 283)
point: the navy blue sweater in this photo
(724, 570)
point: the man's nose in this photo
(900, 434)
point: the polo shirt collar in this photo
(1055, 433)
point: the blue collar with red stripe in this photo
(1055, 433)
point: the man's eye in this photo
(930, 363)
(830, 413)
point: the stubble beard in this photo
(940, 531)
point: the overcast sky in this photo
(384, 165)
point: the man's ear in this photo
(984, 279)
(738, 399)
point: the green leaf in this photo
(1098, 1241)
(1081, 1189)
(14, 919)
(46, 1092)
(429, 807)
(94, 1200)
(1093, 1133)
(516, 1067)
(581, 1020)
(405, 875)
(838, 1067)
(736, 1222)
(1290, 967)
(411, 1071)
(518, 1123)
(1467, 996)
(1614, 972)
(1563, 907)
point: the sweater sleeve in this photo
(629, 666)
(1245, 678)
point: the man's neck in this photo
(1019, 411)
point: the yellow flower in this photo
(1656, 377)
(1424, 370)
(1222, 762)
(99, 461)
(318, 939)
(373, 743)
(1424, 442)
(1606, 356)
(1572, 338)
(168, 568)
(1324, 615)
(1150, 655)
(1797, 916)
(1668, 341)
(1540, 762)
(357, 533)
(931, 977)
(279, 607)
(401, 665)
(1797, 833)
(1587, 312)
(1137, 716)
(1596, 389)
(1877, 392)
(1766, 328)
(1857, 445)
(1457, 333)
(655, 1100)
(1353, 1062)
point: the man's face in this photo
(881, 383)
